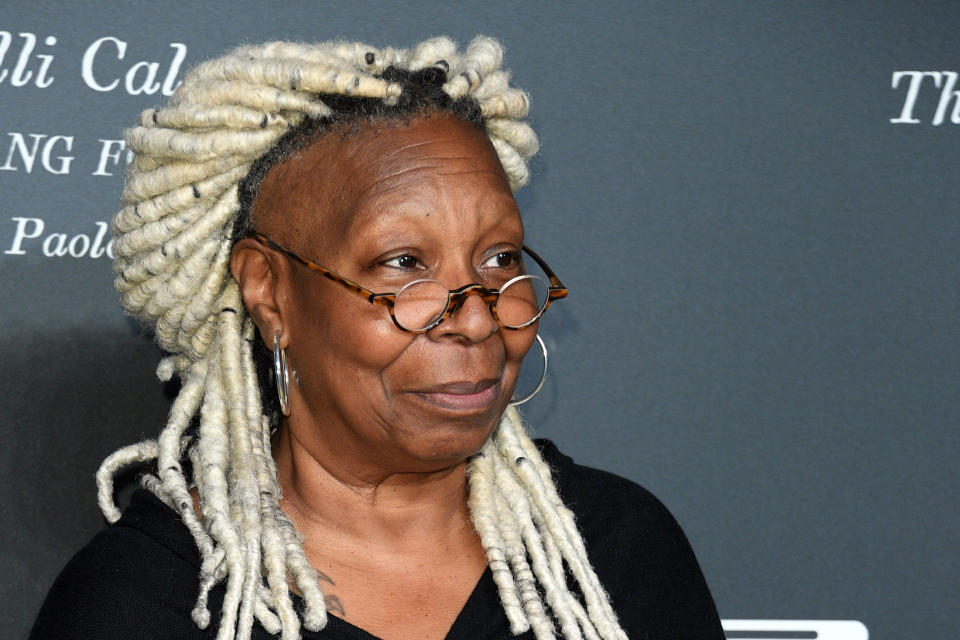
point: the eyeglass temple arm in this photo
(373, 298)
(557, 290)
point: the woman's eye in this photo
(503, 260)
(406, 261)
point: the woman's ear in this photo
(257, 272)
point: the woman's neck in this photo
(363, 500)
(384, 541)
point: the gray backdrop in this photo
(759, 231)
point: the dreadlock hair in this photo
(187, 198)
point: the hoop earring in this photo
(543, 377)
(282, 373)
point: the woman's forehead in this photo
(339, 184)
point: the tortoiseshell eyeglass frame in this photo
(455, 298)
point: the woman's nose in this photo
(470, 321)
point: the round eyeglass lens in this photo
(522, 299)
(419, 304)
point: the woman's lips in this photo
(462, 396)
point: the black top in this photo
(137, 580)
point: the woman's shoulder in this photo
(602, 498)
(639, 551)
(143, 569)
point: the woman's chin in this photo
(446, 444)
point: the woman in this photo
(325, 239)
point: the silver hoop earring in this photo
(282, 373)
(543, 377)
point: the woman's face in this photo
(385, 206)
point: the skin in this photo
(372, 458)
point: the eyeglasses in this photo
(423, 304)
